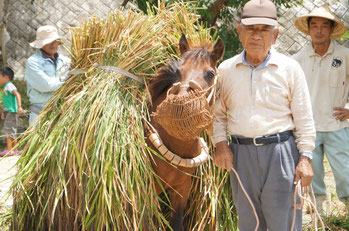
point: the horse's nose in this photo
(184, 90)
(175, 88)
(179, 89)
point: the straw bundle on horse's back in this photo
(85, 164)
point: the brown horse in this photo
(192, 76)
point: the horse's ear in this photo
(183, 44)
(218, 50)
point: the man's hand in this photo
(341, 113)
(223, 156)
(304, 171)
(2, 115)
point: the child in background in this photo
(12, 106)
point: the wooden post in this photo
(3, 25)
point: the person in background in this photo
(326, 68)
(264, 106)
(46, 70)
(12, 106)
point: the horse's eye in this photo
(210, 74)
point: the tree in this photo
(218, 14)
(3, 29)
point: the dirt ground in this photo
(337, 207)
(7, 170)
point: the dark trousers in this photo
(267, 173)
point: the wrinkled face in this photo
(257, 39)
(51, 48)
(320, 30)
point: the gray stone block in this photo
(294, 48)
(341, 11)
(42, 17)
(308, 5)
(318, 3)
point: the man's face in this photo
(320, 30)
(51, 48)
(257, 39)
(2, 80)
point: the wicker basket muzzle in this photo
(184, 117)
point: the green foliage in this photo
(223, 21)
(346, 35)
(31, 1)
(334, 221)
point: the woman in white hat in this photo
(326, 67)
(45, 70)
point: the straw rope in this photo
(177, 160)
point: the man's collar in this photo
(312, 52)
(269, 60)
(45, 55)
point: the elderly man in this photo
(326, 68)
(45, 70)
(264, 106)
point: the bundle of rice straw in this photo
(85, 166)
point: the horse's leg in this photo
(179, 200)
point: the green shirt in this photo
(10, 101)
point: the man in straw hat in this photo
(326, 67)
(45, 70)
(264, 106)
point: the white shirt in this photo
(265, 100)
(328, 82)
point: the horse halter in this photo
(177, 160)
(185, 116)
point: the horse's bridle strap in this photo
(177, 160)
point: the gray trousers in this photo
(267, 173)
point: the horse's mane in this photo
(169, 74)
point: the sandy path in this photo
(7, 170)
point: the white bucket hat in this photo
(45, 35)
(323, 12)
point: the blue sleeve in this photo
(38, 79)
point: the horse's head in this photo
(198, 67)
(189, 85)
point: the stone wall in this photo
(26, 18)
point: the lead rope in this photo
(298, 190)
(248, 198)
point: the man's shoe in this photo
(4, 153)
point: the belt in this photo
(261, 140)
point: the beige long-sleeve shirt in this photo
(265, 100)
(328, 81)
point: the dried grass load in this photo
(85, 166)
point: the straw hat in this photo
(324, 12)
(45, 35)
